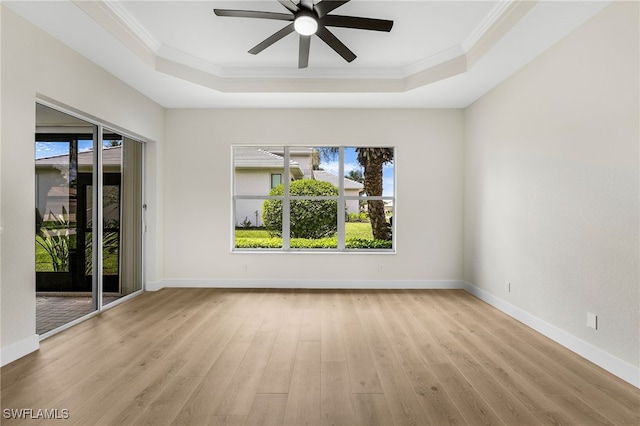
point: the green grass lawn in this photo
(358, 230)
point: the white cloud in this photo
(332, 167)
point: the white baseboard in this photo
(309, 284)
(153, 285)
(16, 350)
(601, 358)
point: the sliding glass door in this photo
(71, 197)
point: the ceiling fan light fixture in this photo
(305, 25)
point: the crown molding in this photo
(486, 24)
(502, 20)
(114, 17)
(133, 25)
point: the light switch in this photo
(592, 320)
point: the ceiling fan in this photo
(308, 18)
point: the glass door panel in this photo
(68, 286)
(63, 162)
(122, 217)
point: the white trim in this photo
(127, 20)
(116, 19)
(486, 25)
(306, 284)
(153, 285)
(19, 349)
(601, 358)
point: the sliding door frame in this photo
(99, 128)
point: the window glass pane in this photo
(374, 168)
(63, 166)
(276, 179)
(129, 227)
(251, 231)
(56, 182)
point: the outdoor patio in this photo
(54, 311)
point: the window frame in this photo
(286, 199)
(274, 175)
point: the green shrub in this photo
(358, 217)
(359, 243)
(258, 242)
(309, 243)
(309, 218)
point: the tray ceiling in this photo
(438, 54)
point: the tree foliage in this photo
(355, 175)
(308, 218)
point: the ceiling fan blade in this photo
(272, 39)
(356, 22)
(325, 6)
(253, 14)
(303, 55)
(333, 42)
(291, 6)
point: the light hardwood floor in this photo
(297, 357)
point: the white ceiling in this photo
(439, 54)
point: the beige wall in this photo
(34, 64)
(429, 191)
(551, 188)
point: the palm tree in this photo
(373, 160)
(355, 175)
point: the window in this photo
(276, 179)
(304, 198)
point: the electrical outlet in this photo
(507, 285)
(245, 267)
(380, 267)
(592, 320)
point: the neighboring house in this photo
(53, 192)
(257, 170)
(351, 188)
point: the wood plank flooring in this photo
(310, 357)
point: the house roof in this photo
(333, 179)
(111, 156)
(246, 157)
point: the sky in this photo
(52, 149)
(351, 163)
